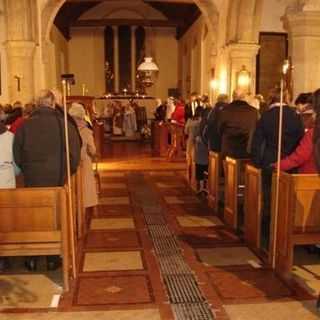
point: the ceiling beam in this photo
(132, 22)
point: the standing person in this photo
(235, 127)
(192, 106)
(39, 151)
(15, 119)
(316, 135)
(160, 113)
(210, 132)
(176, 129)
(303, 158)
(192, 130)
(303, 104)
(265, 147)
(170, 108)
(88, 152)
(8, 168)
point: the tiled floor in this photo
(119, 276)
(112, 223)
(112, 261)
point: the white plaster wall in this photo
(86, 60)
(3, 57)
(166, 56)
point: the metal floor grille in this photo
(181, 285)
(194, 311)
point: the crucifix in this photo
(18, 83)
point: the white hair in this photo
(46, 99)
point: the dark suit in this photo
(235, 127)
(191, 108)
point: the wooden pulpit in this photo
(160, 134)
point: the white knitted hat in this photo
(77, 110)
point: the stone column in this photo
(20, 49)
(133, 58)
(20, 70)
(242, 55)
(304, 43)
(116, 58)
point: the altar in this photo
(149, 103)
(126, 116)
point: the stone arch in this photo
(51, 8)
(244, 18)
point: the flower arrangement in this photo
(145, 132)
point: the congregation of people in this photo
(33, 145)
(247, 128)
(33, 148)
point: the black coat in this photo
(39, 148)
(235, 126)
(265, 140)
(211, 131)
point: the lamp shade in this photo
(148, 65)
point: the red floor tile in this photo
(207, 237)
(248, 284)
(112, 239)
(114, 193)
(114, 210)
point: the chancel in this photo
(160, 159)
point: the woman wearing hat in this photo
(88, 152)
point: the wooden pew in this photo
(34, 222)
(298, 218)
(252, 206)
(214, 178)
(233, 191)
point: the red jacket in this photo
(16, 125)
(303, 157)
(178, 114)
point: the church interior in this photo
(160, 243)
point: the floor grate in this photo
(160, 231)
(192, 311)
(174, 265)
(155, 219)
(182, 289)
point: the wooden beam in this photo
(125, 22)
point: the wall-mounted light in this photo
(214, 84)
(244, 79)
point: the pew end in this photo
(34, 222)
(214, 180)
(234, 191)
(298, 221)
(252, 207)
